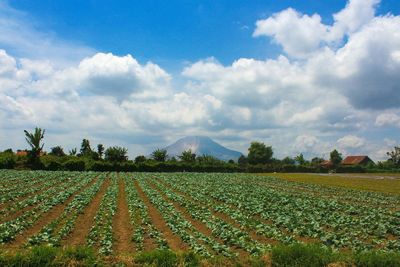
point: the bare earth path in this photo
(46, 218)
(85, 220)
(174, 242)
(122, 228)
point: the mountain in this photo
(202, 145)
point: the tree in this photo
(300, 159)
(335, 157)
(116, 153)
(86, 150)
(140, 159)
(242, 160)
(288, 161)
(100, 150)
(394, 156)
(317, 161)
(57, 151)
(159, 155)
(208, 160)
(72, 152)
(259, 153)
(187, 156)
(34, 141)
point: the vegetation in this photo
(192, 219)
(259, 153)
(259, 159)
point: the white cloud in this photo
(351, 141)
(388, 119)
(310, 105)
(298, 34)
(301, 35)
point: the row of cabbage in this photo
(289, 214)
(40, 203)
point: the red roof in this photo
(354, 160)
(326, 163)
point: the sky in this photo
(302, 76)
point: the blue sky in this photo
(303, 76)
(173, 32)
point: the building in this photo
(326, 164)
(356, 160)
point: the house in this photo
(25, 153)
(326, 164)
(356, 160)
(21, 152)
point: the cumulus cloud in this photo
(351, 141)
(315, 97)
(388, 119)
(300, 35)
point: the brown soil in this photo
(174, 242)
(252, 233)
(46, 218)
(85, 220)
(12, 215)
(201, 227)
(122, 228)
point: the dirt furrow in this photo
(85, 220)
(174, 242)
(46, 218)
(122, 228)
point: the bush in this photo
(377, 259)
(7, 160)
(74, 165)
(162, 258)
(298, 255)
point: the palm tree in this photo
(34, 140)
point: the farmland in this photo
(229, 216)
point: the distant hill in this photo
(202, 145)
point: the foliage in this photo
(34, 141)
(86, 150)
(140, 159)
(159, 155)
(300, 159)
(74, 165)
(57, 151)
(100, 150)
(116, 153)
(7, 160)
(288, 161)
(298, 255)
(335, 157)
(377, 259)
(259, 153)
(187, 156)
(395, 156)
(162, 258)
(242, 160)
(72, 152)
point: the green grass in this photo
(391, 186)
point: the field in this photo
(224, 216)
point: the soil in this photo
(45, 219)
(122, 228)
(174, 242)
(85, 220)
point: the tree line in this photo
(98, 158)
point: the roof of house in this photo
(354, 160)
(326, 163)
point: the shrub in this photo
(377, 259)
(162, 258)
(298, 255)
(74, 165)
(7, 160)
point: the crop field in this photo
(213, 215)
